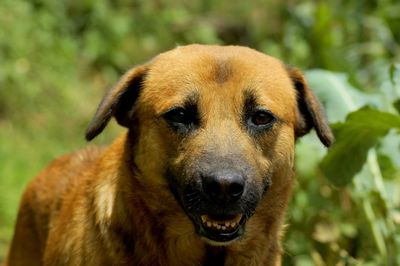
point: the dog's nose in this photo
(224, 186)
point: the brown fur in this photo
(114, 206)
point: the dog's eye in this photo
(181, 118)
(262, 118)
(177, 115)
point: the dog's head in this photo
(217, 125)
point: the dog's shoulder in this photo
(62, 175)
(66, 168)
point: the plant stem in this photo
(374, 169)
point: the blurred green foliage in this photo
(58, 57)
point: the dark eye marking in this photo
(180, 116)
(183, 118)
(257, 119)
(261, 118)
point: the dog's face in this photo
(215, 125)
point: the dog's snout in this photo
(224, 186)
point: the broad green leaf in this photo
(309, 153)
(394, 74)
(390, 147)
(339, 98)
(396, 105)
(360, 132)
(388, 169)
(337, 95)
(390, 89)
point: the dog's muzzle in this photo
(219, 204)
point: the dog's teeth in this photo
(220, 225)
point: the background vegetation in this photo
(58, 58)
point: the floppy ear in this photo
(310, 113)
(118, 102)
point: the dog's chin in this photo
(220, 230)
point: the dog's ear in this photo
(118, 102)
(310, 113)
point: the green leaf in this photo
(354, 138)
(396, 105)
(390, 88)
(390, 147)
(387, 167)
(394, 74)
(339, 98)
(337, 95)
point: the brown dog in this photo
(202, 177)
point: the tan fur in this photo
(113, 206)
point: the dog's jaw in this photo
(215, 234)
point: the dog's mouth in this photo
(221, 228)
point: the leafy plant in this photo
(359, 157)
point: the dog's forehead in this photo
(217, 63)
(217, 70)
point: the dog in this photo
(202, 176)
